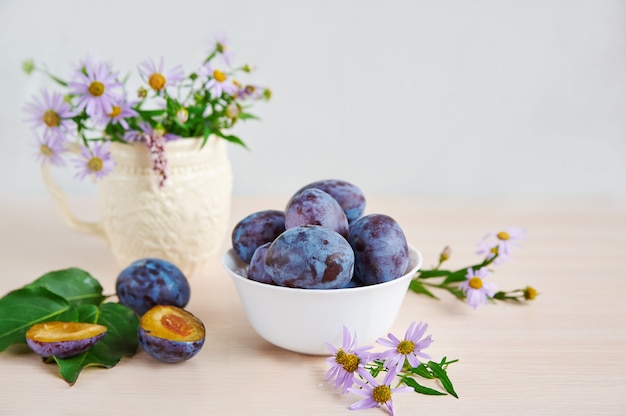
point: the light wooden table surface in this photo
(564, 354)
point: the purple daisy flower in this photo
(49, 150)
(376, 394)
(118, 115)
(223, 48)
(97, 161)
(218, 82)
(347, 361)
(490, 251)
(506, 238)
(146, 131)
(409, 349)
(157, 77)
(95, 88)
(52, 113)
(476, 288)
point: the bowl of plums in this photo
(305, 272)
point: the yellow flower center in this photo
(530, 293)
(157, 81)
(219, 75)
(350, 362)
(95, 164)
(51, 118)
(503, 235)
(381, 394)
(96, 88)
(46, 150)
(476, 282)
(406, 347)
(115, 111)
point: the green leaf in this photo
(422, 371)
(417, 287)
(232, 139)
(22, 308)
(457, 276)
(421, 389)
(441, 374)
(119, 341)
(428, 274)
(73, 284)
(247, 116)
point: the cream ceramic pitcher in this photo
(184, 222)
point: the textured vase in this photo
(184, 222)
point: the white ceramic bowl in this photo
(304, 320)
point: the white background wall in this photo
(448, 97)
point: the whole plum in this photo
(256, 270)
(256, 229)
(170, 334)
(63, 339)
(349, 196)
(310, 257)
(316, 207)
(149, 282)
(380, 249)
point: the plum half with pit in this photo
(63, 339)
(149, 282)
(170, 334)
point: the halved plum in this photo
(63, 339)
(170, 334)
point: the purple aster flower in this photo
(97, 161)
(376, 394)
(145, 131)
(222, 47)
(409, 349)
(218, 82)
(347, 361)
(490, 251)
(118, 115)
(49, 149)
(53, 113)
(506, 238)
(476, 288)
(95, 88)
(157, 77)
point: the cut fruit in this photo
(63, 339)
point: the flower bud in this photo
(28, 66)
(445, 254)
(267, 94)
(232, 111)
(530, 293)
(182, 115)
(142, 92)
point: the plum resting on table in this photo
(149, 282)
(170, 334)
(310, 257)
(63, 339)
(316, 207)
(380, 248)
(256, 229)
(349, 196)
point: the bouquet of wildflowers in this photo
(470, 284)
(358, 370)
(170, 104)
